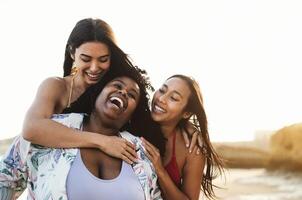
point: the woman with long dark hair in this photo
(90, 52)
(178, 108)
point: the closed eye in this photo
(133, 95)
(118, 86)
(174, 99)
(86, 59)
(104, 59)
(161, 90)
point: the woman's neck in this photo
(79, 84)
(94, 125)
(168, 130)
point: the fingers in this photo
(193, 141)
(149, 147)
(130, 148)
(121, 148)
(128, 152)
(196, 150)
(126, 159)
(148, 155)
(149, 152)
(186, 138)
(200, 143)
(152, 151)
(129, 158)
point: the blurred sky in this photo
(246, 55)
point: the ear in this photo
(187, 115)
(72, 55)
(71, 52)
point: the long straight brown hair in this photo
(214, 165)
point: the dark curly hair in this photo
(141, 123)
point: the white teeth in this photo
(157, 108)
(119, 100)
(93, 75)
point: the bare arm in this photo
(38, 128)
(192, 175)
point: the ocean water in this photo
(259, 184)
(288, 186)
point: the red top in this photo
(172, 167)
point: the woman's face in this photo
(92, 59)
(170, 100)
(117, 101)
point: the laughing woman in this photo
(178, 107)
(90, 52)
(117, 103)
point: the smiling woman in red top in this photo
(178, 107)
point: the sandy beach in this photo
(254, 184)
(258, 184)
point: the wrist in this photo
(161, 172)
(95, 140)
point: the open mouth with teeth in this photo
(118, 102)
(94, 76)
(158, 109)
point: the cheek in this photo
(175, 108)
(81, 65)
(131, 108)
(106, 65)
(99, 104)
(155, 96)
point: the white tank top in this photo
(82, 184)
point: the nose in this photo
(94, 67)
(162, 98)
(97, 66)
(123, 92)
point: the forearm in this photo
(49, 133)
(169, 190)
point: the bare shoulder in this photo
(54, 82)
(53, 85)
(52, 89)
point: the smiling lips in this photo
(158, 109)
(94, 76)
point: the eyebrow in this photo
(175, 91)
(82, 54)
(122, 82)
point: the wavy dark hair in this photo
(141, 123)
(214, 164)
(94, 30)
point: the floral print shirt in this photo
(43, 171)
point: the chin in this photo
(155, 118)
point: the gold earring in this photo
(74, 70)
